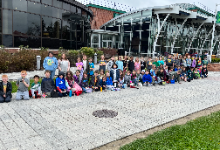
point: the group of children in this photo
(119, 74)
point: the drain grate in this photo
(104, 113)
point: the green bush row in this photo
(215, 60)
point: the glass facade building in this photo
(177, 28)
(44, 23)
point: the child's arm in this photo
(56, 64)
(42, 86)
(9, 89)
(17, 83)
(59, 64)
(39, 90)
(68, 69)
(26, 84)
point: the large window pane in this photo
(20, 5)
(66, 6)
(7, 23)
(79, 11)
(51, 27)
(46, 10)
(73, 9)
(15, 4)
(34, 25)
(49, 2)
(7, 4)
(20, 27)
(57, 13)
(32, 42)
(7, 40)
(34, 7)
(30, 24)
(57, 4)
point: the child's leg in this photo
(18, 95)
(52, 74)
(7, 99)
(26, 95)
(2, 99)
(32, 93)
(84, 90)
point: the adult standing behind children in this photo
(120, 63)
(110, 64)
(5, 90)
(51, 64)
(85, 64)
(63, 64)
(102, 63)
(131, 64)
(169, 62)
(23, 84)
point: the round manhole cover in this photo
(105, 113)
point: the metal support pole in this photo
(178, 31)
(194, 36)
(159, 29)
(213, 32)
(205, 39)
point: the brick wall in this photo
(100, 17)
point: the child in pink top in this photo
(79, 66)
(137, 64)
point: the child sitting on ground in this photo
(78, 78)
(103, 84)
(204, 71)
(70, 82)
(196, 74)
(5, 90)
(47, 84)
(160, 76)
(23, 84)
(94, 82)
(61, 85)
(175, 75)
(85, 84)
(147, 79)
(108, 80)
(114, 74)
(184, 74)
(190, 74)
(128, 78)
(134, 77)
(139, 76)
(153, 74)
(35, 88)
(121, 80)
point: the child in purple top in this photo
(193, 62)
(78, 78)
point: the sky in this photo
(150, 3)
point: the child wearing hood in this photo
(147, 79)
(115, 74)
(61, 85)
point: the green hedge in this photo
(215, 60)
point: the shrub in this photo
(24, 59)
(215, 60)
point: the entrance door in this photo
(107, 43)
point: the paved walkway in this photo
(67, 123)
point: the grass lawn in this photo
(15, 88)
(202, 133)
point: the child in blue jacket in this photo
(108, 80)
(61, 85)
(147, 79)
